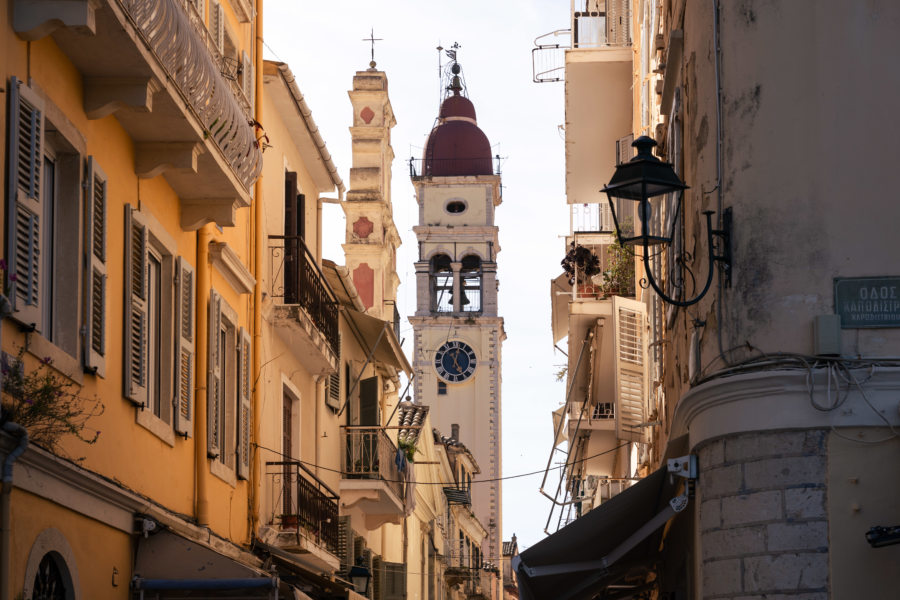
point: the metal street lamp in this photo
(656, 189)
(360, 577)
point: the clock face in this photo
(455, 361)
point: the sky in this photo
(322, 42)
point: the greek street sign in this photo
(867, 301)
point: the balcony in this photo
(306, 313)
(371, 481)
(155, 67)
(461, 571)
(600, 416)
(303, 517)
(600, 23)
(595, 490)
(424, 168)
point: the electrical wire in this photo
(839, 380)
(488, 480)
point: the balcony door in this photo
(287, 448)
(294, 233)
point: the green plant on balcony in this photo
(581, 262)
(408, 447)
(618, 277)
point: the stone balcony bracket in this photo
(34, 19)
(105, 95)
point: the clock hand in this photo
(459, 368)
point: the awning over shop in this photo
(168, 565)
(301, 577)
(377, 337)
(612, 546)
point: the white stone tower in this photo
(458, 332)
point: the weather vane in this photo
(372, 39)
(451, 52)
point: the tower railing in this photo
(435, 167)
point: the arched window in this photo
(470, 282)
(441, 283)
(52, 581)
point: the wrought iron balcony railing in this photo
(184, 47)
(303, 503)
(370, 454)
(601, 23)
(297, 279)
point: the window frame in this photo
(441, 281)
(39, 132)
(156, 416)
(229, 416)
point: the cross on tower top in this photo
(372, 39)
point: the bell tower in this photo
(371, 238)
(457, 330)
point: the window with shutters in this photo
(228, 393)
(217, 25)
(158, 344)
(631, 380)
(333, 385)
(247, 77)
(56, 217)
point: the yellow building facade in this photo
(165, 278)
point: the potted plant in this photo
(581, 264)
(618, 277)
(408, 447)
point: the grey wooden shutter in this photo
(217, 25)
(376, 585)
(245, 386)
(135, 339)
(632, 390)
(94, 350)
(394, 581)
(214, 391)
(345, 544)
(368, 561)
(184, 348)
(247, 77)
(333, 391)
(24, 219)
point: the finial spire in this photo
(372, 39)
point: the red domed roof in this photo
(457, 106)
(457, 146)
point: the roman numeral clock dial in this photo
(455, 361)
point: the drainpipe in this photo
(204, 284)
(5, 509)
(258, 265)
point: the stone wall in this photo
(762, 514)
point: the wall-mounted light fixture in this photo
(656, 188)
(360, 577)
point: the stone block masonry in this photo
(762, 516)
